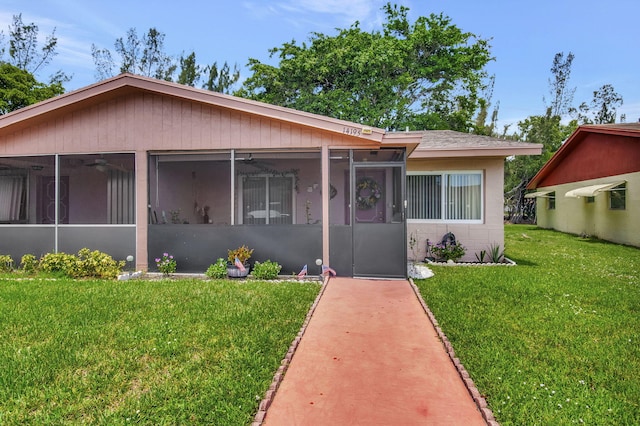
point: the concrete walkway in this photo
(371, 356)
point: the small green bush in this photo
(29, 263)
(6, 263)
(58, 263)
(87, 264)
(96, 264)
(217, 270)
(267, 270)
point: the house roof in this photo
(127, 83)
(605, 159)
(420, 144)
(448, 143)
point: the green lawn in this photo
(554, 340)
(143, 352)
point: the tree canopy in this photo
(24, 50)
(19, 88)
(422, 75)
(146, 56)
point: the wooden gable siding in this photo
(145, 122)
(597, 155)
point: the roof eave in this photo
(533, 149)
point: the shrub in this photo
(58, 263)
(217, 270)
(453, 251)
(87, 264)
(96, 264)
(6, 263)
(267, 270)
(29, 263)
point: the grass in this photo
(554, 340)
(143, 352)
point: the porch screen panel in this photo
(11, 198)
(424, 196)
(254, 199)
(280, 200)
(121, 197)
(464, 197)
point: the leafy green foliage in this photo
(62, 264)
(553, 340)
(447, 251)
(29, 263)
(6, 263)
(25, 52)
(143, 352)
(87, 264)
(603, 106)
(243, 253)
(19, 88)
(96, 264)
(422, 75)
(266, 270)
(217, 270)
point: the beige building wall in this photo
(577, 216)
(475, 237)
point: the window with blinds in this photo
(445, 196)
(268, 199)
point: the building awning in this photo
(537, 194)
(592, 190)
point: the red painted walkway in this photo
(370, 356)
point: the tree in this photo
(147, 57)
(221, 80)
(144, 56)
(421, 75)
(24, 52)
(189, 70)
(19, 88)
(561, 95)
(547, 130)
(603, 108)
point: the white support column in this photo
(324, 164)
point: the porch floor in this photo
(370, 355)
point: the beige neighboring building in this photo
(134, 166)
(591, 186)
(470, 204)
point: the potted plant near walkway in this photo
(238, 265)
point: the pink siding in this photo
(153, 122)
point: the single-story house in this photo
(591, 185)
(137, 166)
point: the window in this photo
(618, 197)
(13, 190)
(450, 196)
(551, 201)
(267, 199)
(589, 200)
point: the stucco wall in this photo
(576, 216)
(474, 237)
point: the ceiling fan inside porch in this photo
(103, 165)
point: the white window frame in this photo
(621, 189)
(443, 196)
(240, 217)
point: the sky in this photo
(524, 37)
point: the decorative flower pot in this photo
(234, 272)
